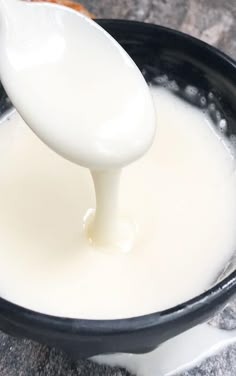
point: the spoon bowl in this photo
(99, 125)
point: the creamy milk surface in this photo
(180, 198)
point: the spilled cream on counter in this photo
(178, 356)
(181, 196)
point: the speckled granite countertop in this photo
(215, 22)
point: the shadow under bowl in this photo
(205, 77)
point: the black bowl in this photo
(183, 64)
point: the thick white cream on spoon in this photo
(181, 194)
(80, 93)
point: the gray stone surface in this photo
(214, 22)
(210, 20)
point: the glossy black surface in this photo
(159, 52)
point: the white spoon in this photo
(74, 85)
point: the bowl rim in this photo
(213, 296)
